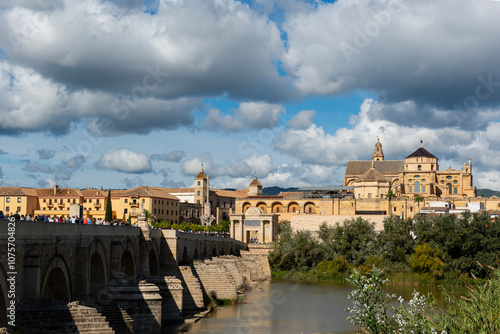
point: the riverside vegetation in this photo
(476, 312)
(445, 249)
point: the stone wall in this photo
(312, 223)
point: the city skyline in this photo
(117, 94)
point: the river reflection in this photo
(283, 306)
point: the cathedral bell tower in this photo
(378, 155)
(201, 187)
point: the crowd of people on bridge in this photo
(62, 219)
(96, 221)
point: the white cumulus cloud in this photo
(123, 160)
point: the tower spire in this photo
(378, 155)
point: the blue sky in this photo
(122, 93)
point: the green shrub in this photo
(428, 260)
(337, 267)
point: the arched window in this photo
(417, 187)
(419, 167)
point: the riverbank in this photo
(401, 278)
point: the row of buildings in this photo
(172, 204)
(364, 192)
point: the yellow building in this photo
(56, 202)
(157, 201)
(17, 199)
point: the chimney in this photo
(56, 188)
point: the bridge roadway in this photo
(71, 262)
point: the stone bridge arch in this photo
(3, 298)
(56, 281)
(153, 262)
(98, 267)
(127, 264)
(128, 260)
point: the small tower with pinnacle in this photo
(201, 187)
(378, 155)
(255, 188)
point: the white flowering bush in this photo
(369, 309)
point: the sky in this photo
(122, 93)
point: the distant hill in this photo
(487, 192)
(273, 191)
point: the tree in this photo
(395, 240)
(428, 260)
(390, 196)
(109, 211)
(418, 200)
(355, 240)
(150, 218)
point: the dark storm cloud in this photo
(433, 53)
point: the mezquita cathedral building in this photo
(366, 186)
(418, 174)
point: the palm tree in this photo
(417, 200)
(150, 218)
(390, 195)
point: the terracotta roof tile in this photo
(384, 167)
(230, 193)
(255, 182)
(372, 175)
(17, 191)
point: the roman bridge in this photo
(138, 268)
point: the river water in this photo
(283, 306)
